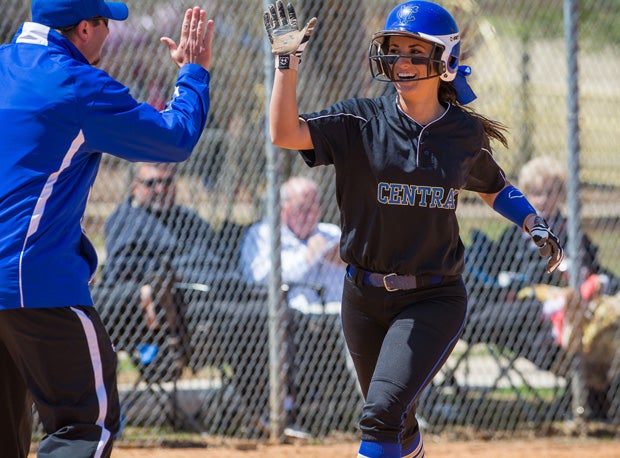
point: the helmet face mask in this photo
(421, 20)
(382, 61)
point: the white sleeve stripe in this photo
(337, 115)
(39, 208)
(49, 185)
(493, 159)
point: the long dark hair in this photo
(494, 129)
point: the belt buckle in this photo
(389, 288)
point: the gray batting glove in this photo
(284, 34)
(546, 241)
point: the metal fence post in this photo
(571, 30)
(277, 316)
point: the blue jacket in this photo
(57, 114)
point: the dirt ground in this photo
(539, 448)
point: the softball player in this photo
(57, 113)
(400, 163)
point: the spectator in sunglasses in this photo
(150, 231)
(152, 244)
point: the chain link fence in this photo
(197, 357)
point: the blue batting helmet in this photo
(422, 20)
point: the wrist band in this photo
(512, 205)
(287, 61)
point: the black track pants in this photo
(64, 359)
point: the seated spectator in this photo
(152, 244)
(150, 229)
(544, 180)
(505, 306)
(314, 273)
(311, 264)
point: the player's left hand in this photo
(546, 241)
(283, 31)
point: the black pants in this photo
(398, 341)
(64, 360)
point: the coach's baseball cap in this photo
(65, 13)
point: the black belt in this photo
(394, 282)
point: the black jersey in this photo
(397, 182)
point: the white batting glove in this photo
(546, 241)
(287, 40)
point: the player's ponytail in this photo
(494, 129)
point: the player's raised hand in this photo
(283, 31)
(546, 241)
(196, 36)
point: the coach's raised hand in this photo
(196, 37)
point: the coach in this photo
(57, 114)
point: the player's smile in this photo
(407, 72)
(406, 76)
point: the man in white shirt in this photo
(314, 272)
(311, 264)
